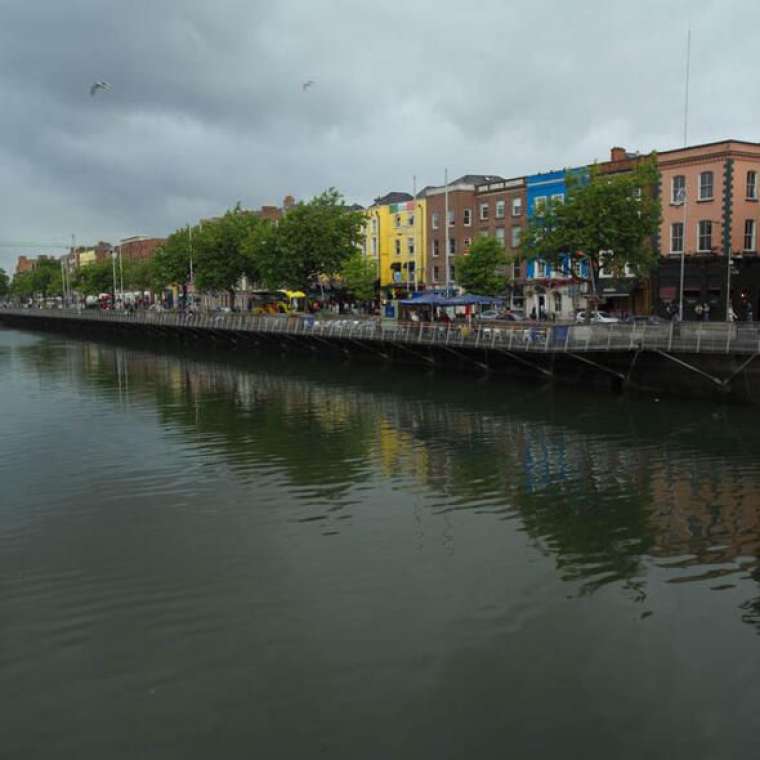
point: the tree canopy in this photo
(359, 275)
(44, 280)
(4, 283)
(483, 270)
(312, 239)
(95, 278)
(170, 264)
(610, 219)
(221, 255)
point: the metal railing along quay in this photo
(687, 337)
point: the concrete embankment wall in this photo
(722, 377)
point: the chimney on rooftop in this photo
(617, 154)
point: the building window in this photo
(452, 219)
(749, 235)
(452, 245)
(452, 272)
(483, 212)
(398, 247)
(467, 217)
(410, 246)
(500, 236)
(500, 205)
(410, 220)
(374, 225)
(436, 247)
(751, 186)
(558, 198)
(705, 236)
(706, 186)
(539, 204)
(467, 243)
(374, 246)
(434, 221)
(516, 236)
(516, 206)
(398, 220)
(678, 190)
(436, 273)
(676, 237)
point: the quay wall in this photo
(717, 363)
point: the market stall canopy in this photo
(434, 299)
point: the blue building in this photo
(552, 290)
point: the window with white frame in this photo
(516, 206)
(398, 247)
(436, 247)
(539, 204)
(605, 270)
(410, 246)
(452, 219)
(516, 236)
(676, 237)
(436, 273)
(374, 246)
(374, 225)
(484, 212)
(500, 236)
(751, 185)
(706, 186)
(434, 221)
(678, 190)
(467, 217)
(467, 243)
(749, 235)
(452, 245)
(398, 220)
(500, 207)
(410, 219)
(558, 198)
(705, 236)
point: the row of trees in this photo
(319, 238)
(610, 220)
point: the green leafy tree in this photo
(46, 278)
(139, 275)
(483, 270)
(94, 279)
(4, 284)
(312, 239)
(22, 285)
(359, 274)
(170, 264)
(609, 220)
(222, 253)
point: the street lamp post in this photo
(113, 294)
(685, 236)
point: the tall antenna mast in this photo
(686, 98)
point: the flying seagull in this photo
(310, 83)
(99, 86)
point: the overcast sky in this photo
(207, 106)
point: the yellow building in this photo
(87, 257)
(396, 239)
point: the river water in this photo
(212, 556)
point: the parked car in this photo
(599, 317)
(507, 316)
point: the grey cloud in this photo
(207, 108)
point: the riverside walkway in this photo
(717, 352)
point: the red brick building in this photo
(139, 248)
(455, 234)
